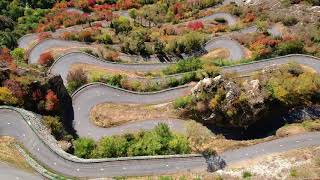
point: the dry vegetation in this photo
(108, 115)
(92, 69)
(217, 53)
(9, 154)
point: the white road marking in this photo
(8, 123)
(78, 169)
(38, 149)
(297, 141)
(280, 145)
(247, 154)
(310, 139)
(262, 150)
(124, 168)
(167, 165)
(101, 169)
(23, 135)
(17, 178)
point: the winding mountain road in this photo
(13, 124)
(85, 98)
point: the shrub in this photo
(182, 102)
(116, 146)
(220, 20)
(6, 97)
(83, 147)
(52, 101)
(121, 24)
(18, 55)
(76, 79)
(290, 47)
(191, 42)
(289, 21)
(55, 125)
(158, 141)
(246, 174)
(46, 59)
(85, 36)
(184, 65)
(105, 38)
(197, 25)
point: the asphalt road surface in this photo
(12, 124)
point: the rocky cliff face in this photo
(55, 83)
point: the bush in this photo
(85, 36)
(246, 174)
(8, 39)
(121, 24)
(76, 79)
(46, 59)
(109, 147)
(6, 96)
(52, 101)
(182, 102)
(18, 55)
(184, 65)
(197, 25)
(105, 38)
(55, 126)
(290, 47)
(289, 21)
(191, 42)
(158, 141)
(220, 20)
(83, 147)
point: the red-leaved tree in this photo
(52, 101)
(46, 59)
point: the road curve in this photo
(231, 20)
(92, 94)
(236, 50)
(85, 98)
(13, 124)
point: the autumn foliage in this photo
(46, 59)
(52, 101)
(197, 25)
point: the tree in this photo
(55, 125)
(52, 101)
(8, 39)
(6, 23)
(108, 147)
(121, 24)
(18, 55)
(290, 47)
(76, 79)
(83, 147)
(133, 14)
(46, 59)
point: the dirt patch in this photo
(217, 53)
(98, 69)
(9, 154)
(108, 115)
